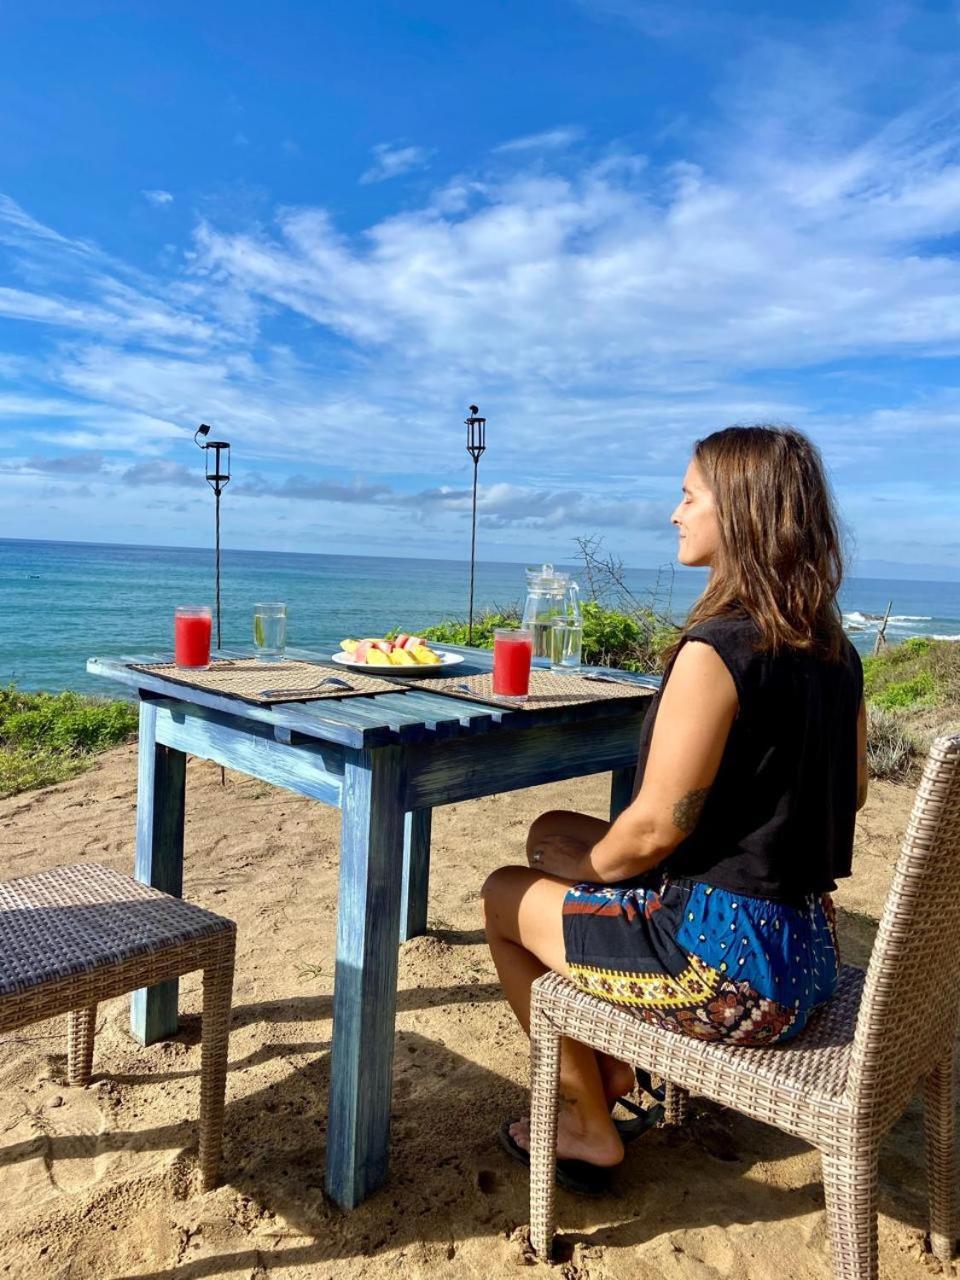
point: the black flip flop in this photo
(579, 1176)
(643, 1119)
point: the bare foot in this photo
(618, 1079)
(604, 1149)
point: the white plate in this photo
(421, 669)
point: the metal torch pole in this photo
(473, 553)
(217, 539)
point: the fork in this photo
(308, 688)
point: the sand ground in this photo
(100, 1182)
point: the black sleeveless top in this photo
(778, 821)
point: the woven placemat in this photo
(288, 681)
(546, 690)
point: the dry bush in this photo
(891, 751)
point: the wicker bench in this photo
(845, 1080)
(74, 936)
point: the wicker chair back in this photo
(912, 990)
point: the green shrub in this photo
(454, 630)
(913, 676)
(611, 638)
(628, 641)
(45, 737)
(912, 647)
(918, 691)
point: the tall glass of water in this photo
(566, 642)
(270, 631)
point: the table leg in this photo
(161, 785)
(416, 873)
(365, 982)
(621, 790)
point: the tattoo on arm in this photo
(687, 810)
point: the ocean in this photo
(65, 601)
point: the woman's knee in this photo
(501, 893)
(500, 884)
(548, 823)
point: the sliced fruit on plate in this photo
(377, 658)
(423, 655)
(400, 658)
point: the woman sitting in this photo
(705, 906)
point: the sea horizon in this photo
(65, 601)
(360, 555)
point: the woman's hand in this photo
(559, 855)
(560, 841)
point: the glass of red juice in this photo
(512, 651)
(191, 636)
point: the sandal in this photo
(644, 1118)
(579, 1176)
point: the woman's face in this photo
(696, 520)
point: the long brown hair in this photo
(780, 561)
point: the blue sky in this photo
(614, 225)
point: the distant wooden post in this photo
(881, 639)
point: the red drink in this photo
(512, 651)
(191, 636)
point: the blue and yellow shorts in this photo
(702, 961)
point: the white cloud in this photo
(549, 140)
(157, 197)
(390, 161)
(603, 315)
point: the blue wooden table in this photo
(386, 760)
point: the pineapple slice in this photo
(400, 658)
(349, 646)
(424, 655)
(377, 658)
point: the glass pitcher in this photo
(550, 594)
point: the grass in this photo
(913, 694)
(892, 752)
(915, 675)
(47, 737)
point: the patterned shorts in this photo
(702, 961)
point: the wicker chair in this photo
(74, 936)
(844, 1081)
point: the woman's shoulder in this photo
(728, 630)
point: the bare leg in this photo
(618, 1077)
(522, 910)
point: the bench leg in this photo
(365, 981)
(161, 789)
(217, 991)
(416, 873)
(81, 1026)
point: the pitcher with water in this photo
(552, 613)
